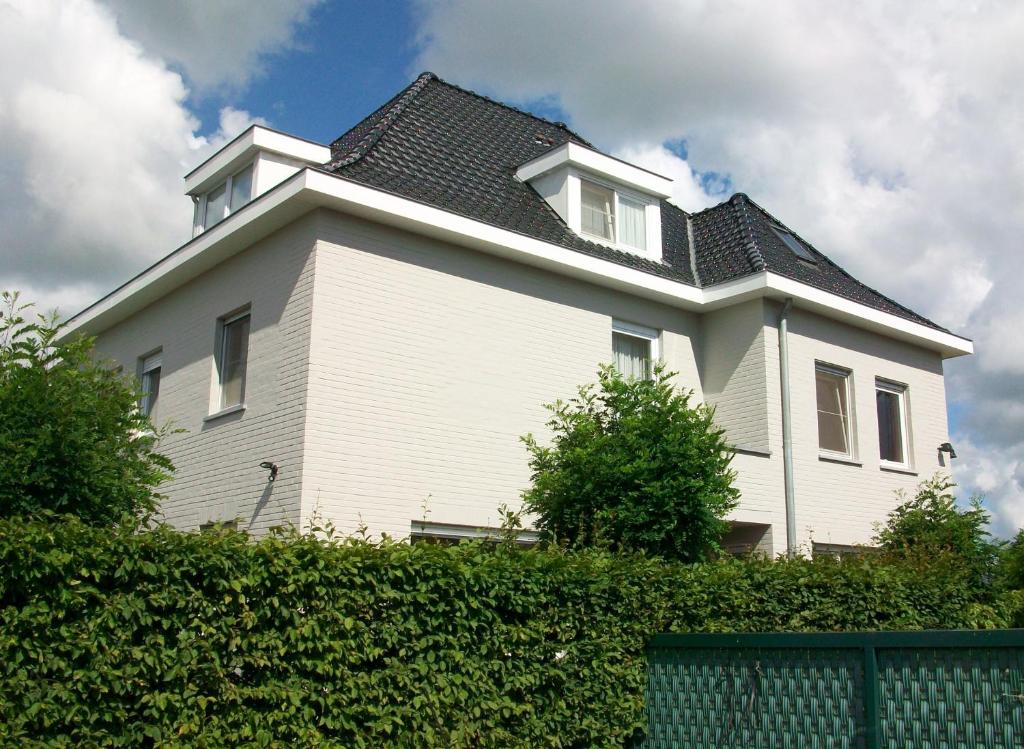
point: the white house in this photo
(383, 317)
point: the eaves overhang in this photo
(312, 188)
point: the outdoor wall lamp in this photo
(945, 447)
(272, 467)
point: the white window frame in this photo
(217, 390)
(652, 215)
(199, 217)
(147, 363)
(851, 429)
(901, 391)
(633, 330)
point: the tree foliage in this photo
(112, 637)
(931, 524)
(71, 437)
(633, 464)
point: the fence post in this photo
(872, 719)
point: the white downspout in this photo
(787, 429)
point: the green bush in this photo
(930, 523)
(162, 638)
(72, 439)
(634, 465)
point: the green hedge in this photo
(114, 638)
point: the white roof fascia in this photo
(309, 189)
(234, 155)
(591, 161)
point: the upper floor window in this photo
(635, 349)
(893, 443)
(149, 370)
(224, 199)
(608, 215)
(833, 394)
(232, 359)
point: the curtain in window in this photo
(833, 416)
(215, 200)
(890, 432)
(234, 352)
(150, 390)
(632, 223)
(596, 209)
(632, 355)
(241, 188)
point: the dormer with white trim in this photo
(256, 161)
(601, 198)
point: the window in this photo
(611, 216)
(224, 199)
(891, 402)
(635, 348)
(150, 377)
(597, 206)
(833, 392)
(795, 245)
(231, 359)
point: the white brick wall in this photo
(391, 376)
(840, 503)
(217, 475)
(430, 361)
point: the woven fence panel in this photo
(755, 698)
(938, 698)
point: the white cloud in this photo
(887, 134)
(97, 136)
(222, 42)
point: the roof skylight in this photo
(795, 245)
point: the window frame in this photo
(217, 406)
(849, 423)
(199, 218)
(618, 193)
(148, 363)
(642, 332)
(901, 391)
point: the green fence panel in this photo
(911, 690)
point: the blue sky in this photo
(348, 59)
(887, 135)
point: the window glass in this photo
(150, 385)
(215, 206)
(598, 209)
(632, 223)
(632, 355)
(241, 188)
(833, 411)
(890, 424)
(795, 246)
(234, 351)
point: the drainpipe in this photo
(787, 429)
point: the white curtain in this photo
(632, 355)
(632, 223)
(833, 418)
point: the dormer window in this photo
(601, 198)
(224, 199)
(610, 216)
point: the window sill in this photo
(752, 451)
(840, 459)
(897, 469)
(237, 408)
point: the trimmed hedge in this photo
(159, 638)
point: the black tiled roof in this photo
(454, 149)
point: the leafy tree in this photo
(931, 525)
(634, 465)
(72, 440)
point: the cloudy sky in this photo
(888, 133)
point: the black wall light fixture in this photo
(272, 467)
(946, 447)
